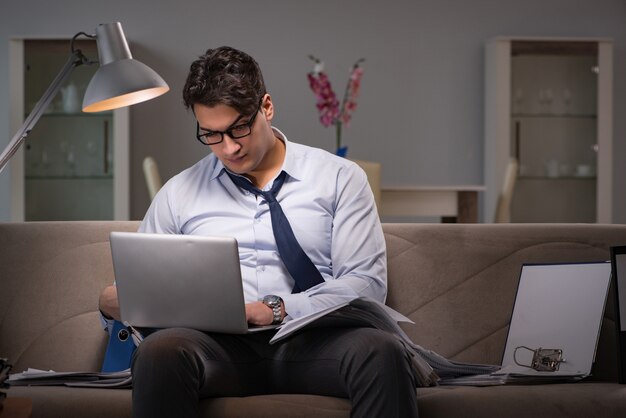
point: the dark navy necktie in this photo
(299, 265)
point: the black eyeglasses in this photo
(235, 132)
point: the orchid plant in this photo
(331, 111)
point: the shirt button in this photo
(260, 268)
(257, 220)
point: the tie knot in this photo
(268, 196)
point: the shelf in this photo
(554, 115)
(106, 177)
(76, 114)
(556, 178)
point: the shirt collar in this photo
(290, 164)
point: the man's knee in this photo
(167, 346)
(373, 348)
(378, 374)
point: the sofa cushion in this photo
(555, 400)
(514, 401)
(55, 402)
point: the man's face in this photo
(247, 155)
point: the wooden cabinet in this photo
(73, 165)
(549, 105)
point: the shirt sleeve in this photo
(358, 252)
(106, 323)
(160, 217)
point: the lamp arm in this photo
(76, 59)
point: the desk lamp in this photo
(120, 81)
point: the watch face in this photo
(271, 300)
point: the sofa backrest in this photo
(457, 282)
(51, 275)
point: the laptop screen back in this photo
(166, 280)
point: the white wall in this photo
(421, 109)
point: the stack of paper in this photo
(35, 377)
(496, 378)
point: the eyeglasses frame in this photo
(229, 131)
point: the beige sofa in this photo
(457, 282)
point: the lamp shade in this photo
(121, 80)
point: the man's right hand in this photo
(108, 303)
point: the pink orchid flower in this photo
(331, 112)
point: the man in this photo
(330, 208)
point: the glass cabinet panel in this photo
(68, 166)
(554, 130)
(549, 106)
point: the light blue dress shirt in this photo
(330, 207)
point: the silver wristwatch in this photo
(276, 304)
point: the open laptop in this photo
(166, 280)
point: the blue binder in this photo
(120, 349)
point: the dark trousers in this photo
(175, 367)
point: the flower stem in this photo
(338, 128)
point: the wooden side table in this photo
(16, 408)
(450, 203)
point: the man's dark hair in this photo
(225, 76)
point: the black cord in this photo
(82, 59)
